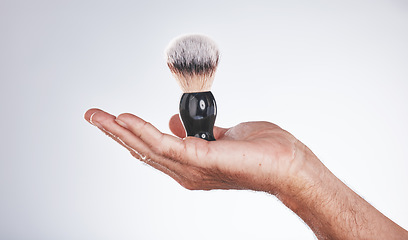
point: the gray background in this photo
(332, 73)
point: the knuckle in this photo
(146, 125)
(138, 155)
(143, 127)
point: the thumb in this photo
(176, 127)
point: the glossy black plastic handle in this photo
(198, 112)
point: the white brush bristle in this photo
(193, 60)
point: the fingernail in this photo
(90, 118)
(93, 122)
(121, 123)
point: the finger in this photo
(188, 152)
(177, 128)
(89, 114)
(106, 122)
(161, 144)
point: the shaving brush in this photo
(193, 60)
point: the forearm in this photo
(331, 209)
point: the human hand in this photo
(254, 155)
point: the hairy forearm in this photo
(330, 208)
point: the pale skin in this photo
(258, 156)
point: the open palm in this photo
(252, 155)
(258, 156)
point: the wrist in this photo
(305, 174)
(330, 208)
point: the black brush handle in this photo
(198, 112)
